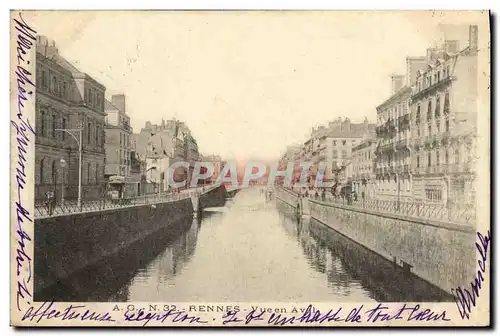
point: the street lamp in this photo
(63, 165)
(74, 132)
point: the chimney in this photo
(119, 101)
(148, 124)
(473, 38)
(397, 82)
(451, 46)
(52, 51)
(431, 54)
(413, 65)
(46, 47)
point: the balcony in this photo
(430, 89)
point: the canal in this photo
(250, 250)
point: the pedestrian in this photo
(50, 202)
(323, 195)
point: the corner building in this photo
(67, 98)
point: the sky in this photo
(247, 84)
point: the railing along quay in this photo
(461, 214)
(45, 209)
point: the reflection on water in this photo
(250, 250)
(349, 265)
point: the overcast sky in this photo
(246, 83)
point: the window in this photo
(418, 131)
(429, 110)
(54, 117)
(433, 195)
(447, 126)
(439, 76)
(44, 79)
(344, 142)
(437, 158)
(344, 154)
(64, 90)
(429, 130)
(97, 174)
(417, 117)
(54, 172)
(457, 156)
(437, 110)
(53, 85)
(120, 139)
(89, 168)
(418, 161)
(64, 126)
(334, 154)
(97, 135)
(335, 142)
(446, 107)
(429, 159)
(438, 126)
(98, 101)
(446, 157)
(42, 163)
(89, 132)
(42, 123)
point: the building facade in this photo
(171, 139)
(363, 160)
(393, 153)
(67, 99)
(444, 114)
(337, 144)
(118, 138)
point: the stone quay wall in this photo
(69, 243)
(441, 253)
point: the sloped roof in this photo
(65, 64)
(109, 106)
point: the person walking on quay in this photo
(50, 202)
(323, 195)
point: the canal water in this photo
(253, 250)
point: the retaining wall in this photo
(442, 253)
(66, 244)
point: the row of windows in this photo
(437, 108)
(94, 98)
(123, 157)
(49, 125)
(394, 112)
(52, 172)
(437, 127)
(56, 86)
(432, 78)
(343, 142)
(363, 155)
(124, 140)
(335, 154)
(438, 159)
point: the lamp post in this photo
(74, 132)
(63, 165)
